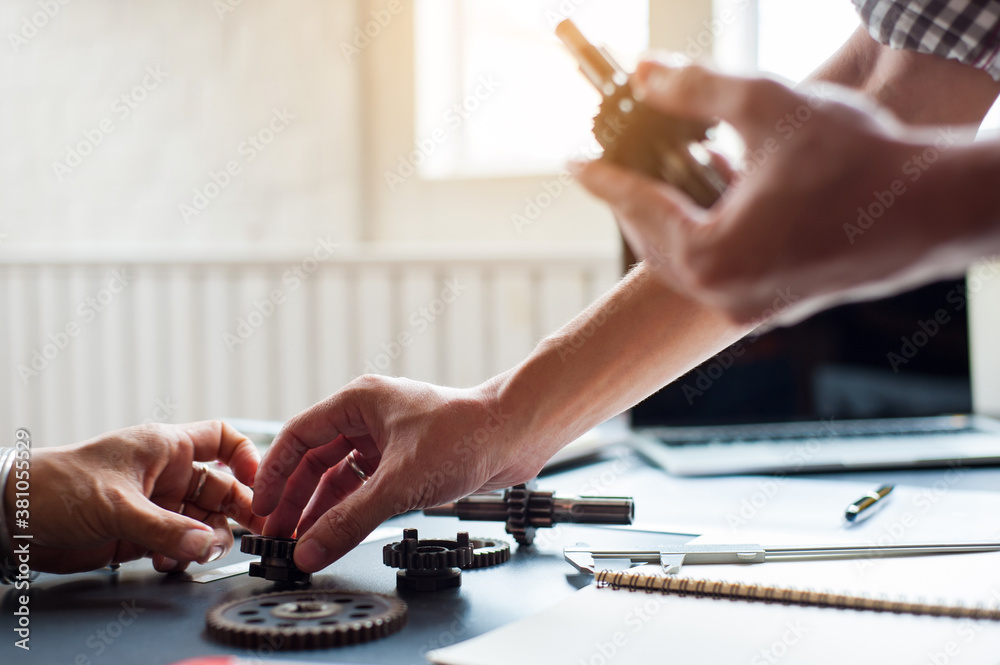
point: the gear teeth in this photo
(488, 552)
(262, 546)
(276, 559)
(527, 510)
(252, 622)
(414, 554)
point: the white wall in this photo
(223, 72)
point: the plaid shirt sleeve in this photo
(964, 30)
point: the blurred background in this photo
(231, 208)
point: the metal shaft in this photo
(581, 510)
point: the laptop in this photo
(883, 384)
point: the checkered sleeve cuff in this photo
(963, 30)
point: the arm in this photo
(424, 445)
(911, 84)
(842, 203)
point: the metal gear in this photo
(488, 552)
(276, 558)
(525, 509)
(295, 620)
(428, 565)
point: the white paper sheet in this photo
(607, 627)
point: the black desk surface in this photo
(75, 618)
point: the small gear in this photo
(295, 620)
(488, 552)
(428, 565)
(524, 509)
(276, 559)
(527, 510)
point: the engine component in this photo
(428, 565)
(638, 137)
(294, 620)
(276, 562)
(525, 509)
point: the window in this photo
(496, 91)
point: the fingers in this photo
(656, 219)
(221, 493)
(317, 426)
(172, 535)
(344, 526)
(282, 521)
(162, 564)
(752, 106)
(218, 440)
(337, 484)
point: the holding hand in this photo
(837, 201)
(421, 446)
(137, 492)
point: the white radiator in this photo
(97, 341)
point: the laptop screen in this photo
(903, 356)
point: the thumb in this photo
(752, 106)
(168, 533)
(343, 527)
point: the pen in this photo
(865, 503)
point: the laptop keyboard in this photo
(678, 436)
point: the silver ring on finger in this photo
(203, 470)
(352, 462)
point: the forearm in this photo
(921, 89)
(637, 338)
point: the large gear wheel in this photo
(276, 559)
(295, 620)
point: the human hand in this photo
(828, 206)
(119, 497)
(422, 446)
